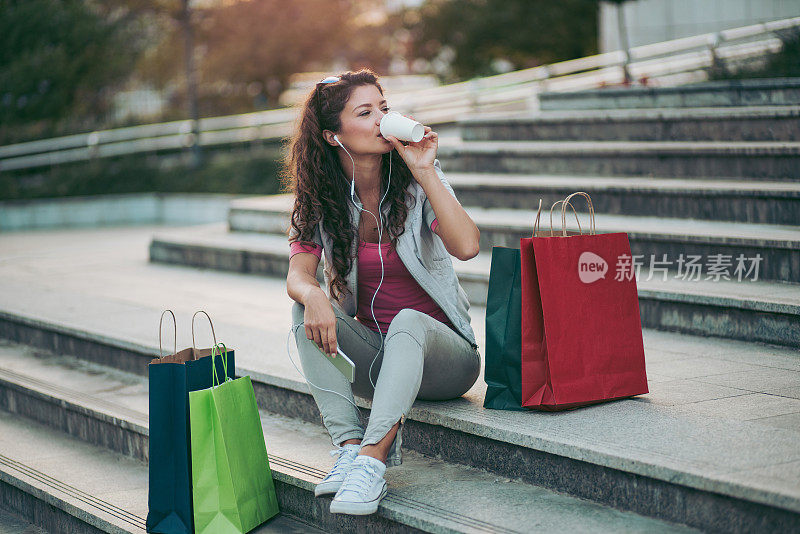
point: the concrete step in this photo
(714, 200)
(758, 311)
(124, 209)
(756, 92)
(95, 295)
(755, 160)
(12, 523)
(60, 483)
(422, 490)
(762, 123)
(588, 453)
(778, 245)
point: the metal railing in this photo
(668, 63)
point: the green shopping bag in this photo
(232, 485)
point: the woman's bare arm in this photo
(302, 277)
(302, 286)
(458, 231)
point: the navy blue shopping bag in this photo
(171, 379)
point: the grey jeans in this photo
(422, 358)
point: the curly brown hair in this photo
(313, 172)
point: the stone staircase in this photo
(73, 414)
(714, 446)
(719, 183)
(74, 437)
(753, 92)
(73, 409)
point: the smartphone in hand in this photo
(344, 364)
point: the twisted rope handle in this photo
(564, 207)
(194, 348)
(175, 343)
(564, 212)
(536, 222)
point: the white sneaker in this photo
(333, 480)
(362, 489)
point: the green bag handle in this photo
(224, 354)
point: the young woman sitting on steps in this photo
(384, 216)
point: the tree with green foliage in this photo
(61, 58)
(475, 36)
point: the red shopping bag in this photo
(581, 331)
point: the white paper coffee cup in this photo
(401, 127)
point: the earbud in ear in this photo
(353, 181)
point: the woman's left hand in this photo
(420, 155)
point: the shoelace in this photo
(359, 479)
(338, 467)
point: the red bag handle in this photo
(564, 212)
(565, 202)
(536, 222)
(539, 213)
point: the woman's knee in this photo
(455, 386)
(408, 321)
(450, 377)
(471, 376)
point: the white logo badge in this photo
(591, 267)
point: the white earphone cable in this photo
(293, 329)
(379, 221)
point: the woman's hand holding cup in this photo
(423, 142)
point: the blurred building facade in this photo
(651, 21)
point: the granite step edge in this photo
(490, 182)
(64, 503)
(692, 113)
(589, 148)
(636, 226)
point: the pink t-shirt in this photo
(399, 290)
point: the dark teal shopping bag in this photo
(171, 378)
(502, 371)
